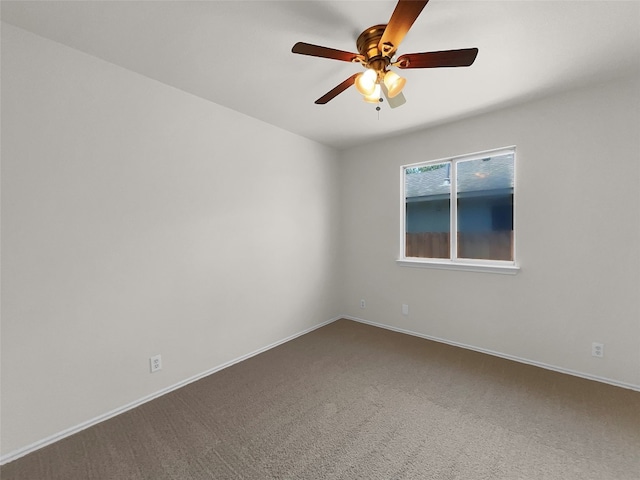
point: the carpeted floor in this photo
(351, 401)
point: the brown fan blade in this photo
(324, 52)
(446, 58)
(402, 18)
(330, 95)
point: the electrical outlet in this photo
(363, 304)
(597, 349)
(405, 309)
(156, 363)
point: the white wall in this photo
(578, 235)
(138, 219)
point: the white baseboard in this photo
(9, 457)
(101, 418)
(527, 361)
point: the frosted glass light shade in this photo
(366, 82)
(373, 97)
(394, 83)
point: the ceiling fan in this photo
(376, 46)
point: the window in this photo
(476, 231)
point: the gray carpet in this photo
(350, 401)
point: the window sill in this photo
(507, 269)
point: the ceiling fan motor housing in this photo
(367, 44)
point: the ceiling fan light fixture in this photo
(394, 83)
(366, 82)
(377, 47)
(374, 97)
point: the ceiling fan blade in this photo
(446, 58)
(394, 102)
(402, 18)
(330, 95)
(324, 52)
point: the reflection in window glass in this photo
(478, 225)
(428, 218)
(485, 208)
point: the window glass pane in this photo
(428, 221)
(485, 208)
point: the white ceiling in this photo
(238, 54)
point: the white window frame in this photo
(454, 263)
